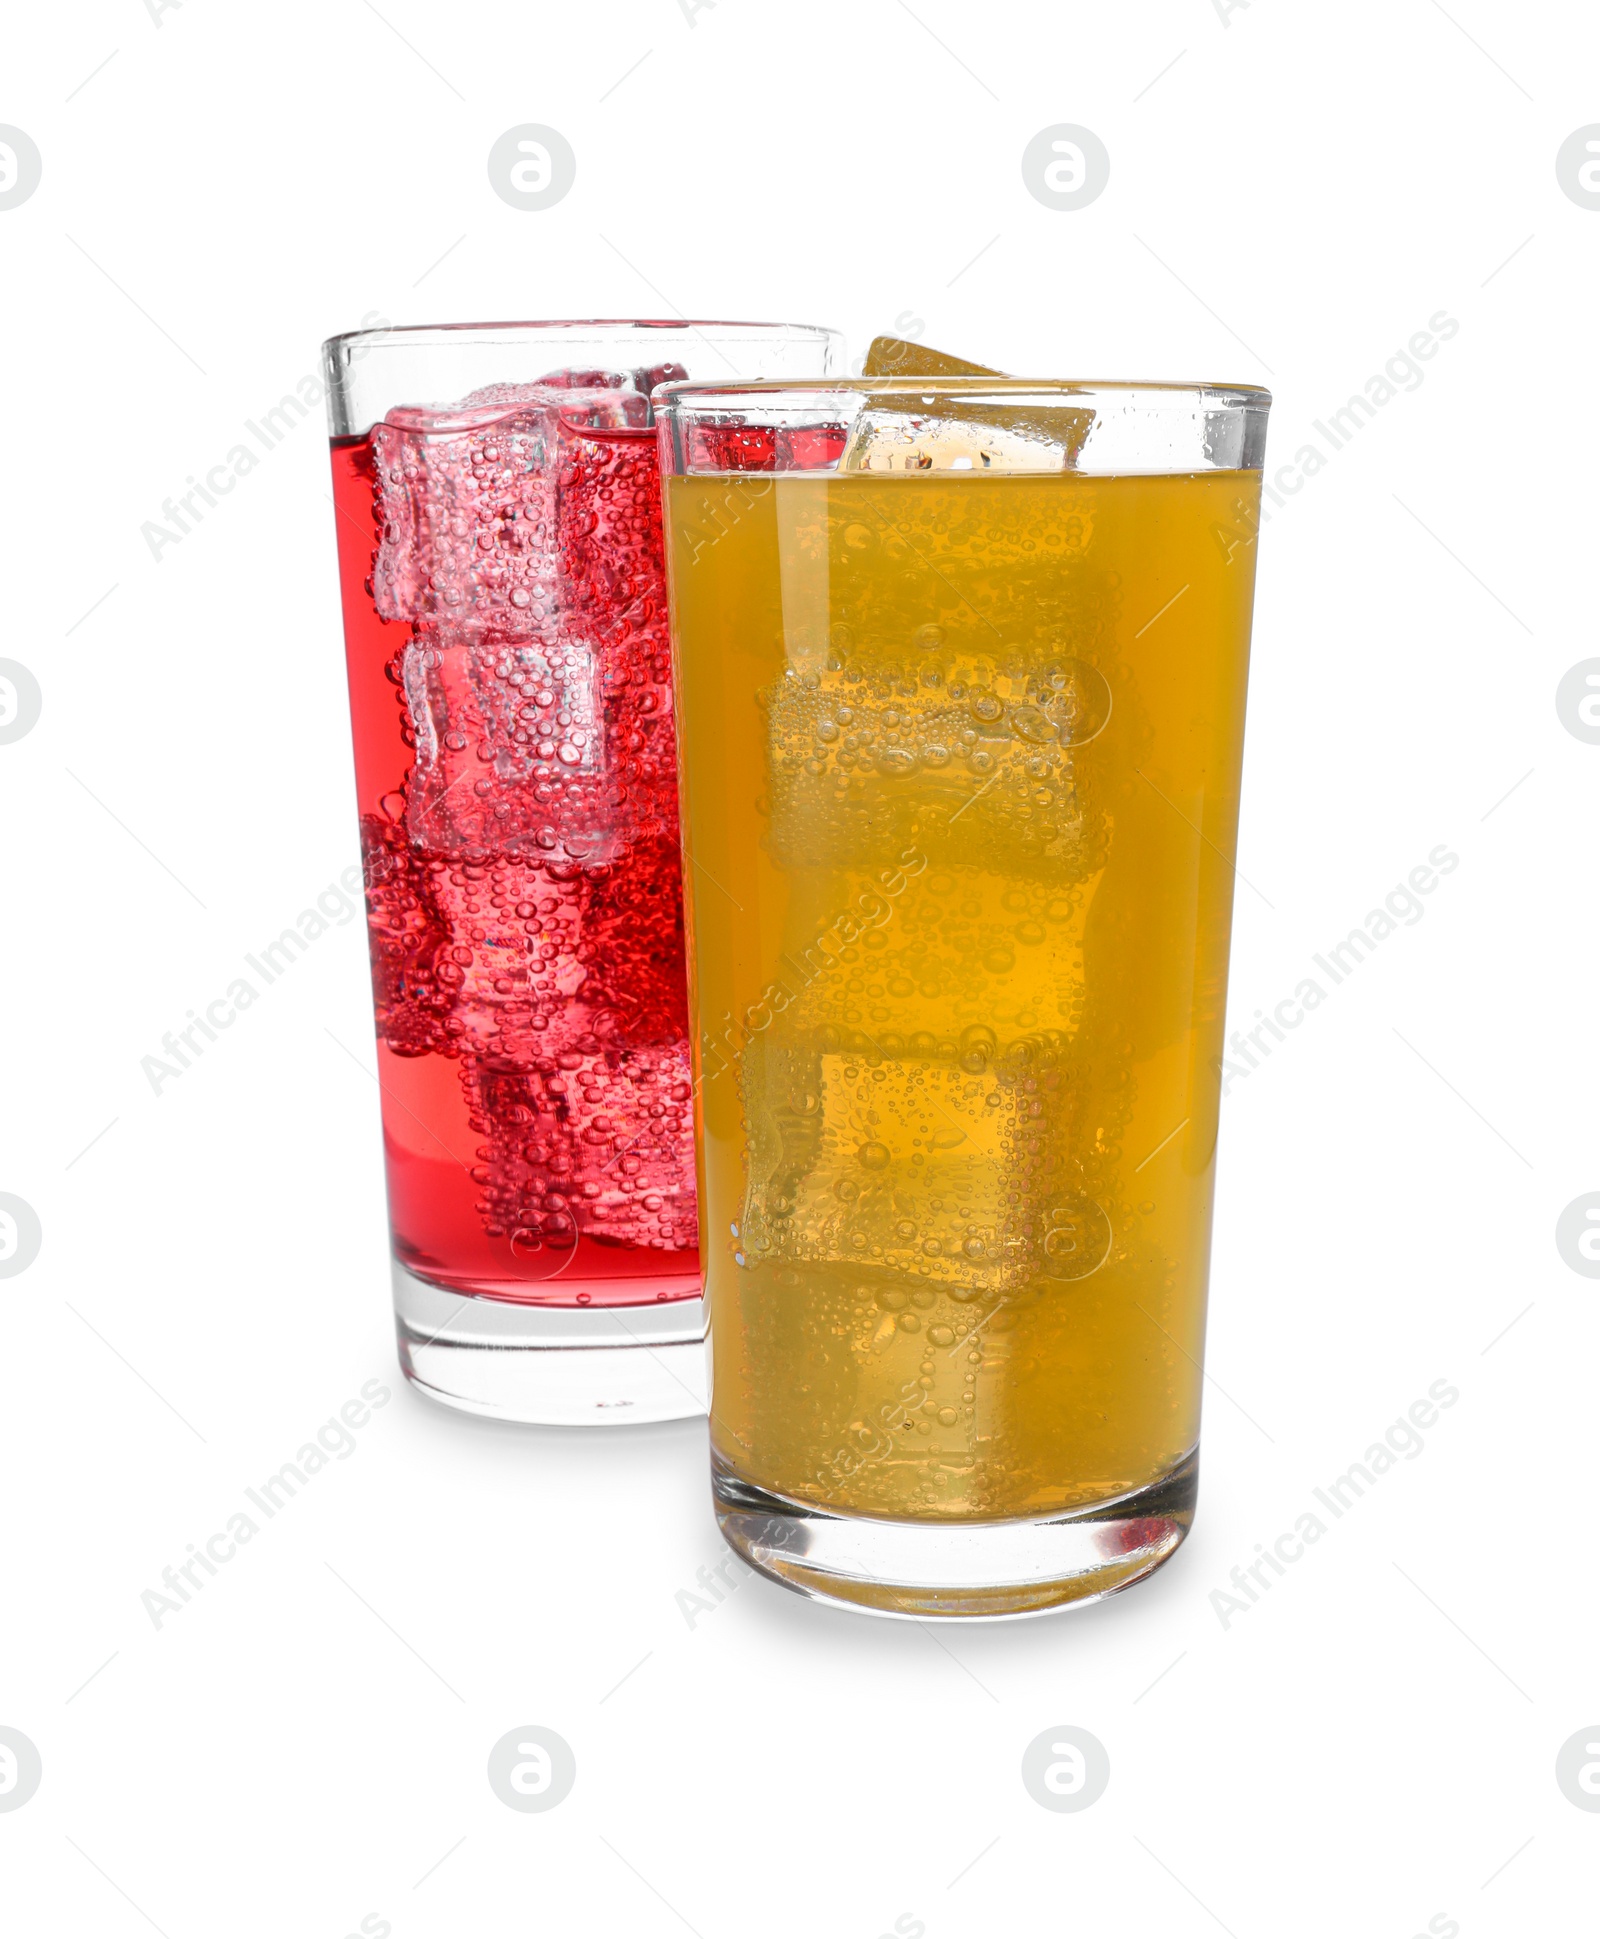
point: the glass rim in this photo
(1214, 395)
(423, 333)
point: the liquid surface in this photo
(511, 696)
(961, 761)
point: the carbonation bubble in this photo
(1033, 724)
(978, 1045)
(1083, 705)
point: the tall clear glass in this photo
(961, 683)
(499, 525)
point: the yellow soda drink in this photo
(960, 753)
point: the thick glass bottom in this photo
(562, 1366)
(958, 1569)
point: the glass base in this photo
(958, 1569)
(561, 1366)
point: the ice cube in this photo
(589, 1143)
(587, 380)
(894, 1395)
(513, 971)
(509, 964)
(947, 1362)
(642, 378)
(914, 955)
(895, 432)
(467, 501)
(668, 373)
(511, 752)
(972, 763)
(1019, 433)
(560, 750)
(608, 531)
(637, 1138)
(405, 933)
(526, 960)
(903, 1164)
(631, 944)
(609, 401)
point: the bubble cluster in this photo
(937, 1168)
(959, 754)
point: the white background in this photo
(1295, 190)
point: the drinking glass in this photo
(498, 510)
(961, 668)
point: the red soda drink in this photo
(511, 691)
